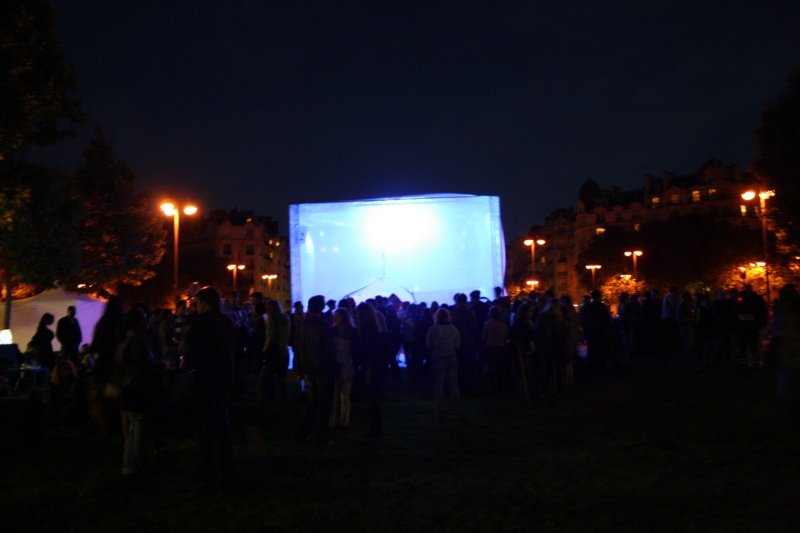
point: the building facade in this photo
(243, 249)
(713, 191)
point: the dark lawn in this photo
(658, 449)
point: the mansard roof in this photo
(591, 195)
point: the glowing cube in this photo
(422, 248)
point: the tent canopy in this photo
(26, 313)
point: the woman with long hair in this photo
(443, 340)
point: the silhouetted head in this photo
(208, 299)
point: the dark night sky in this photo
(258, 104)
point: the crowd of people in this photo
(345, 351)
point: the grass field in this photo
(653, 450)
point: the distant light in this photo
(6, 337)
(748, 195)
(190, 209)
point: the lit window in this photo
(599, 231)
(695, 196)
(637, 227)
(655, 200)
(675, 199)
(712, 192)
(743, 209)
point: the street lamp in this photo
(234, 269)
(532, 243)
(532, 283)
(594, 269)
(762, 213)
(171, 210)
(269, 278)
(635, 254)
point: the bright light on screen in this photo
(422, 248)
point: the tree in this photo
(122, 237)
(37, 108)
(778, 159)
(37, 102)
(688, 252)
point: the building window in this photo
(248, 250)
(562, 286)
(675, 199)
(712, 192)
(599, 231)
(226, 249)
(743, 209)
(655, 201)
(695, 196)
(562, 258)
(562, 275)
(637, 227)
(249, 233)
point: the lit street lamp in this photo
(762, 213)
(594, 269)
(532, 243)
(269, 278)
(532, 283)
(234, 269)
(171, 210)
(635, 254)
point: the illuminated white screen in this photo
(422, 248)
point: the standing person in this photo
(208, 348)
(370, 355)
(42, 342)
(344, 336)
(785, 347)
(752, 314)
(276, 352)
(139, 391)
(295, 326)
(108, 334)
(495, 339)
(571, 333)
(68, 333)
(443, 341)
(319, 364)
(464, 320)
(596, 323)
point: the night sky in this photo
(258, 104)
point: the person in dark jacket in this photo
(208, 348)
(318, 359)
(139, 385)
(68, 333)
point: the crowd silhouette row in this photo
(528, 347)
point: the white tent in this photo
(26, 313)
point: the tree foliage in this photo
(687, 252)
(122, 238)
(37, 102)
(38, 242)
(778, 159)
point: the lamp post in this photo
(532, 243)
(594, 269)
(171, 210)
(532, 283)
(635, 254)
(234, 269)
(762, 213)
(269, 278)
